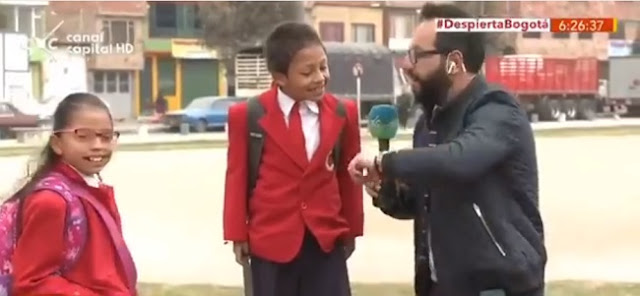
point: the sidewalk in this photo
(130, 137)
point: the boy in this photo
(299, 223)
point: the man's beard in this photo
(433, 90)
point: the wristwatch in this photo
(377, 161)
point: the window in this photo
(561, 35)
(196, 17)
(332, 31)
(619, 34)
(165, 15)
(118, 32)
(363, 33)
(7, 18)
(111, 82)
(635, 47)
(532, 35)
(402, 25)
(39, 24)
(123, 82)
(585, 35)
(98, 82)
(222, 104)
(24, 20)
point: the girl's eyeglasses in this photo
(416, 54)
(89, 135)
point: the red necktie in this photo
(295, 130)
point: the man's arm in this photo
(394, 200)
(235, 190)
(350, 192)
(492, 135)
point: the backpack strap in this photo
(342, 112)
(75, 233)
(69, 188)
(255, 111)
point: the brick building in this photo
(178, 66)
(399, 20)
(113, 75)
(347, 21)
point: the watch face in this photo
(497, 292)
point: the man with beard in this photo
(470, 183)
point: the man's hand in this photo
(372, 188)
(349, 247)
(241, 251)
(362, 169)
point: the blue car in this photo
(202, 114)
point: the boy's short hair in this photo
(285, 41)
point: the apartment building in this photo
(399, 20)
(26, 17)
(347, 21)
(113, 33)
(177, 64)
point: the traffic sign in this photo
(357, 70)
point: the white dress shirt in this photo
(91, 180)
(309, 115)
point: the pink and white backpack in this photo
(75, 232)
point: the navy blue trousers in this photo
(311, 273)
(436, 291)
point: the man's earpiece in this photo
(451, 67)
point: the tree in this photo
(232, 26)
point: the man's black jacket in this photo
(477, 189)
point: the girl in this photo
(79, 148)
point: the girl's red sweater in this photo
(41, 247)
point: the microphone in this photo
(383, 124)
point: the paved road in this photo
(171, 206)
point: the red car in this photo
(11, 117)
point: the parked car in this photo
(11, 117)
(202, 114)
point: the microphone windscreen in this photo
(383, 121)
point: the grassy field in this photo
(565, 288)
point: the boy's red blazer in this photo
(290, 196)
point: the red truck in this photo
(550, 87)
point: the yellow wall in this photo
(222, 79)
(136, 92)
(348, 16)
(175, 100)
